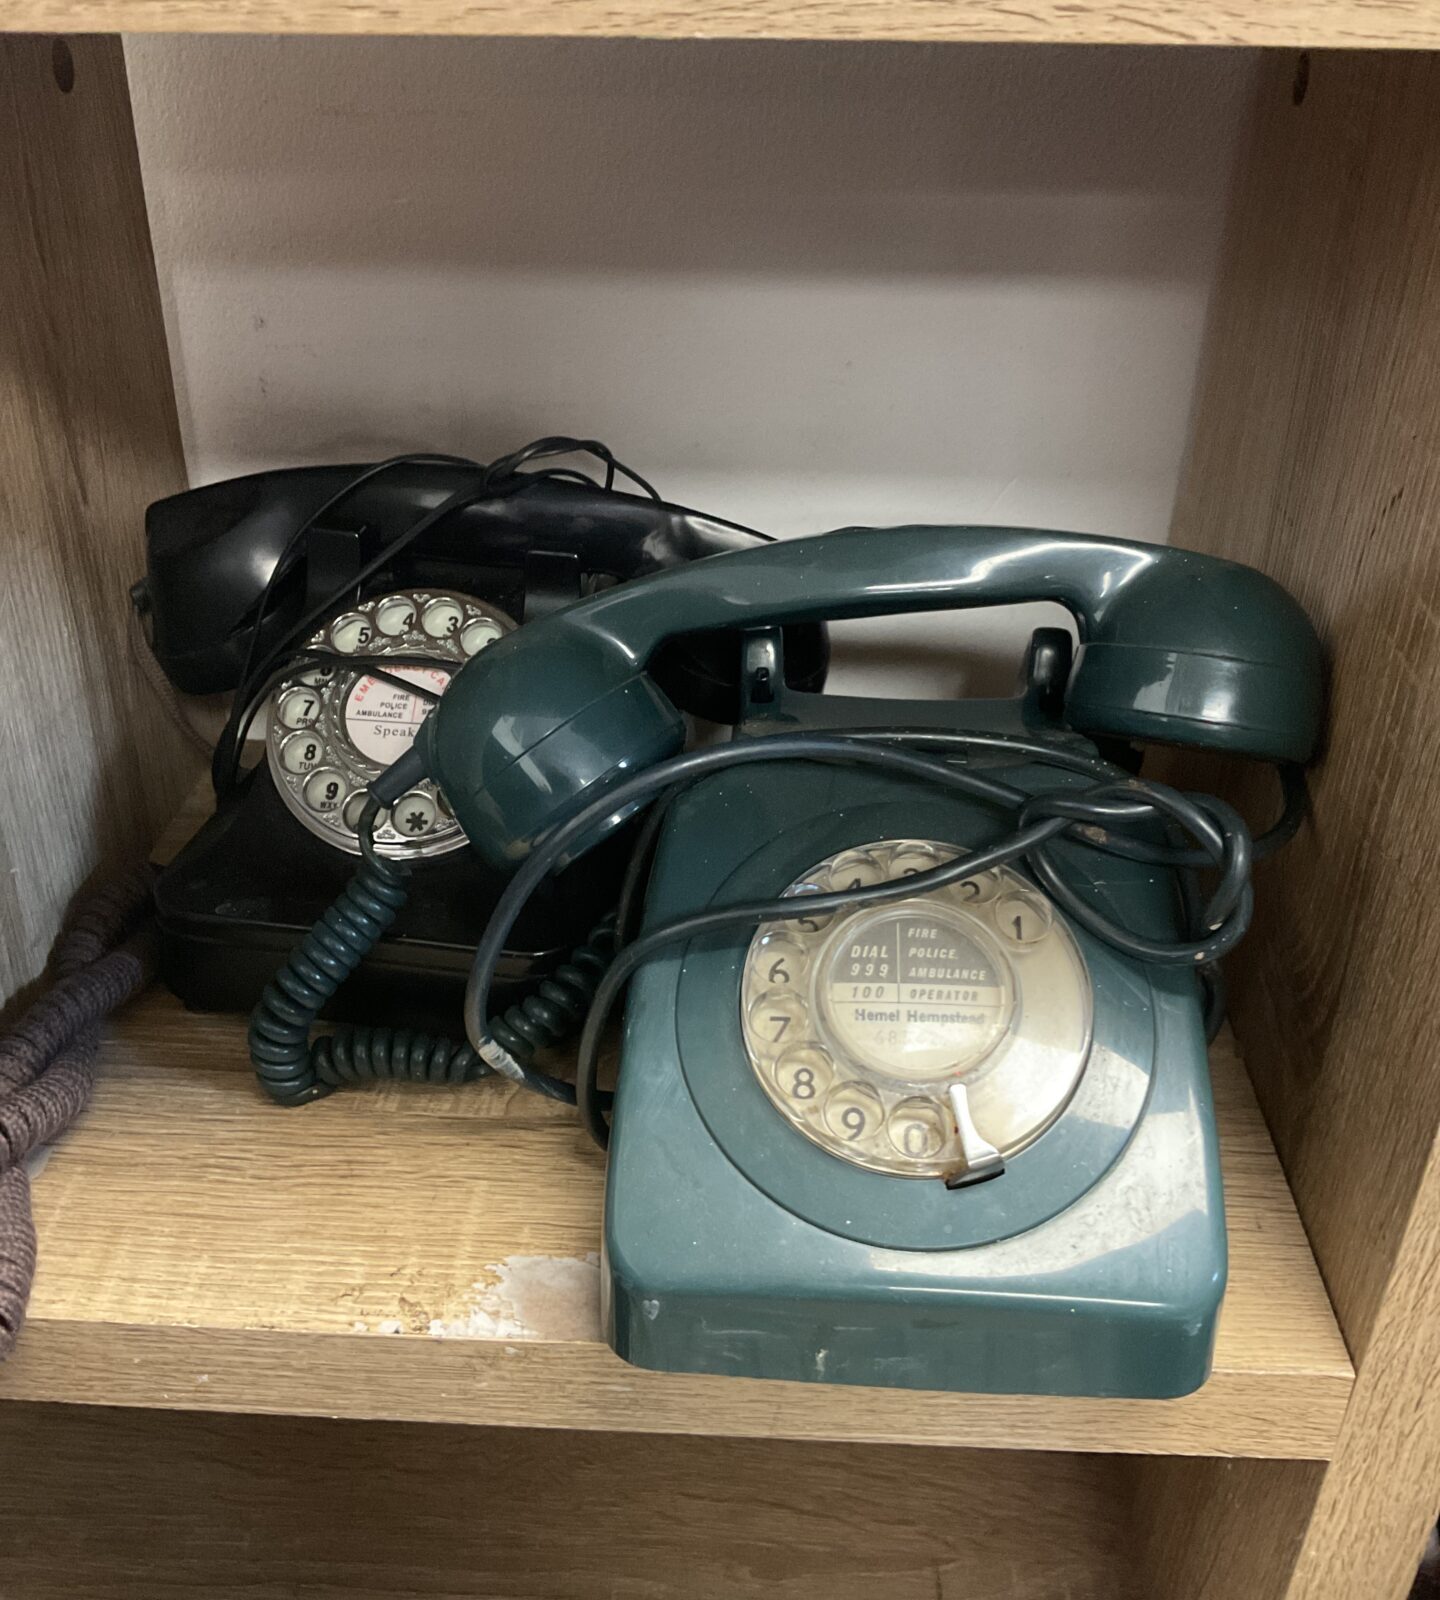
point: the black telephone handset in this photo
(531, 542)
(343, 599)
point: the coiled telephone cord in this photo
(1117, 814)
(295, 1069)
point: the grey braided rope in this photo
(47, 1068)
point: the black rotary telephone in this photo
(337, 602)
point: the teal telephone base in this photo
(734, 1244)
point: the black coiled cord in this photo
(1119, 814)
(294, 1069)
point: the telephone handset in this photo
(1174, 647)
(340, 601)
(916, 1009)
(530, 541)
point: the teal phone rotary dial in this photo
(931, 1037)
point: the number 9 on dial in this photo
(853, 1112)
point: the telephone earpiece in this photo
(1175, 647)
(540, 733)
(1197, 651)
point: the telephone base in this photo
(242, 893)
(1116, 1298)
(1095, 1265)
(213, 966)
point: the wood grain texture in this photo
(1317, 457)
(87, 437)
(1337, 24)
(125, 1505)
(1380, 1495)
(1223, 1530)
(428, 1255)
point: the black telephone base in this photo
(224, 927)
(407, 984)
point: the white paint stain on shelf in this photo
(530, 1297)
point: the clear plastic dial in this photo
(858, 1023)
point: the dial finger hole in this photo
(324, 791)
(299, 708)
(778, 1019)
(917, 1128)
(395, 616)
(910, 860)
(479, 635)
(803, 1074)
(853, 1112)
(1023, 919)
(351, 633)
(806, 923)
(441, 619)
(978, 890)
(856, 869)
(778, 961)
(413, 815)
(301, 753)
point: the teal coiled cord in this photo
(295, 1069)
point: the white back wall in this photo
(797, 285)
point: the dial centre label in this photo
(382, 720)
(914, 993)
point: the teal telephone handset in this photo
(913, 1081)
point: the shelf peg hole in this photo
(62, 64)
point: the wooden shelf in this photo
(203, 1253)
(428, 1255)
(1332, 24)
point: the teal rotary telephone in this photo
(912, 1089)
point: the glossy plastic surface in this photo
(810, 1182)
(1094, 1265)
(212, 550)
(1175, 647)
(226, 925)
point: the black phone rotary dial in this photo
(333, 728)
